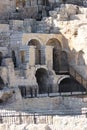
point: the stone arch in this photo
(38, 40)
(56, 53)
(1, 57)
(14, 58)
(36, 43)
(62, 77)
(80, 58)
(41, 67)
(69, 84)
(1, 83)
(42, 80)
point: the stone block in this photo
(33, 2)
(16, 25)
(62, 17)
(53, 13)
(57, 9)
(4, 27)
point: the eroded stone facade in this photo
(39, 40)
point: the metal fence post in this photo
(35, 121)
(1, 121)
(31, 92)
(35, 92)
(20, 118)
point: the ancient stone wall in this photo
(30, 9)
(6, 7)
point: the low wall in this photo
(60, 104)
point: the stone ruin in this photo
(42, 47)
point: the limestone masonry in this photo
(43, 50)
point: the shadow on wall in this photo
(60, 58)
(43, 80)
(77, 58)
(14, 58)
(80, 58)
(36, 43)
(1, 57)
(1, 84)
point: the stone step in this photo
(75, 74)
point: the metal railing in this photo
(25, 117)
(48, 94)
(13, 117)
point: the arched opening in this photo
(1, 83)
(36, 43)
(56, 54)
(70, 85)
(1, 57)
(14, 58)
(64, 62)
(42, 80)
(80, 59)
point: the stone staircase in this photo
(77, 76)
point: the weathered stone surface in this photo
(17, 127)
(23, 51)
(53, 13)
(70, 9)
(5, 94)
(4, 127)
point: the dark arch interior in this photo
(1, 56)
(1, 84)
(60, 59)
(36, 43)
(70, 85)
(63, 62)
(56, 59)
(42, 80)
(14, 58)
(56, 53)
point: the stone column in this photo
(49, 56)
(24, 54)
(43, 56)
(31, 55)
